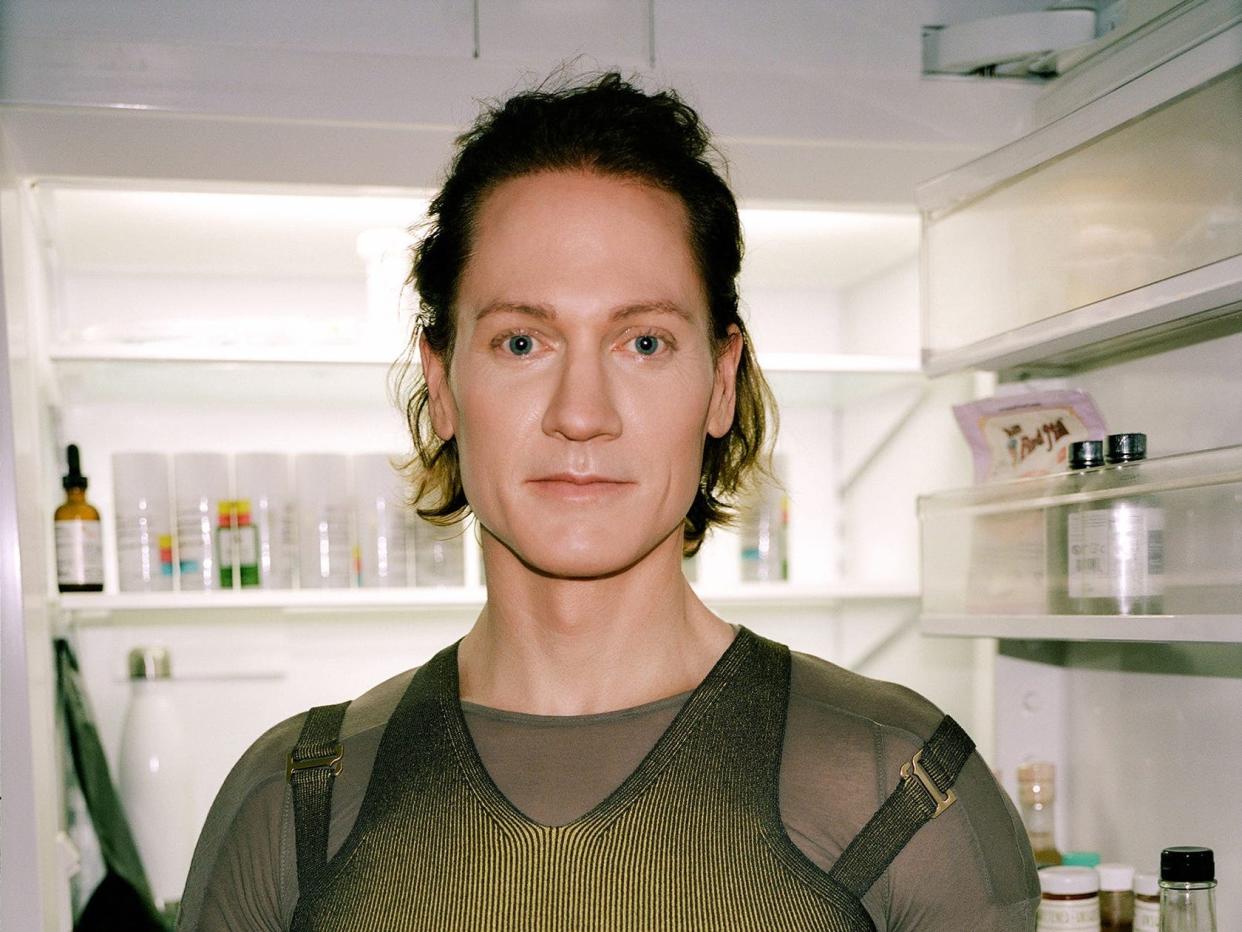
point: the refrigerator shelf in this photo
(94, 372)
(1014, 559)
(1201, 629)
(95, 608)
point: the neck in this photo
(552, 646)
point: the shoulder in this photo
(843, 734)
(846, 738)
(240, 874)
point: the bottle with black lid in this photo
(78, 533)
(1083, 455)
(1187, 890)
(1118, 541)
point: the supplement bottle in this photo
(1062, 566)
(78, 533)
(1187, 890)
(1120, 539)
(1116, 897)
(1069, 901)
(1147, 901)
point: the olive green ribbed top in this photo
(691, 840)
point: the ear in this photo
(442, 407)
(724, 390)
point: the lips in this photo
(579, 486)
(581, 479)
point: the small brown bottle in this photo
(79, 535)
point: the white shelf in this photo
(91, 608)
(182, 372)
(1203, 629)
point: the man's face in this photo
(582, 384)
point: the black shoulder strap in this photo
(925, 791)
(311, 768)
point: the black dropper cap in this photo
(1126, 448)
(1187, 864)
(74, 479)
(1086, 454)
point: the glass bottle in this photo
(1120, 539)
(1116, 897)
(78, 534)
(1147, 901)
(1064, 571)
(1187, 890)
(1035, 797)
(1069, 900)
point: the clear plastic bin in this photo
(1169, 528)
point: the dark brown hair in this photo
(610, 127)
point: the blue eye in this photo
(647, 344)
(520, 344)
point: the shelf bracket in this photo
(902, 419)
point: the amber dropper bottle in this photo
(79, 535)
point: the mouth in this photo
(579, 486)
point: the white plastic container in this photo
(263, 480)
(144, 538)
(1070, 900)
(380, 509)
(763, 526)
(201, 481)
(324, 548)
(155, 777)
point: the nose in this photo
(582, 405)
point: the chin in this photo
(579, 555)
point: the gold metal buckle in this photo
(332, 760)
(915, 768)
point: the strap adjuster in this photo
(915, 768)
(332, 759)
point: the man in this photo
(601, 751)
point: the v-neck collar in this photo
(666, 747)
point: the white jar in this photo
(1070, 901)
(326, 558)
(379, 505)
(1147, 901)
(144, 533)
(202, 482)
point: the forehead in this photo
(580, 236)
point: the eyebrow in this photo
(543, 312)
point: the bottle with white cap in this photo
(1069, 901)
(155, 777)
(1116, 897)
(1187, 889)
(1147, 901)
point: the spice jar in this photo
(1147, 901)
(1116, 897)
(1070, 901)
